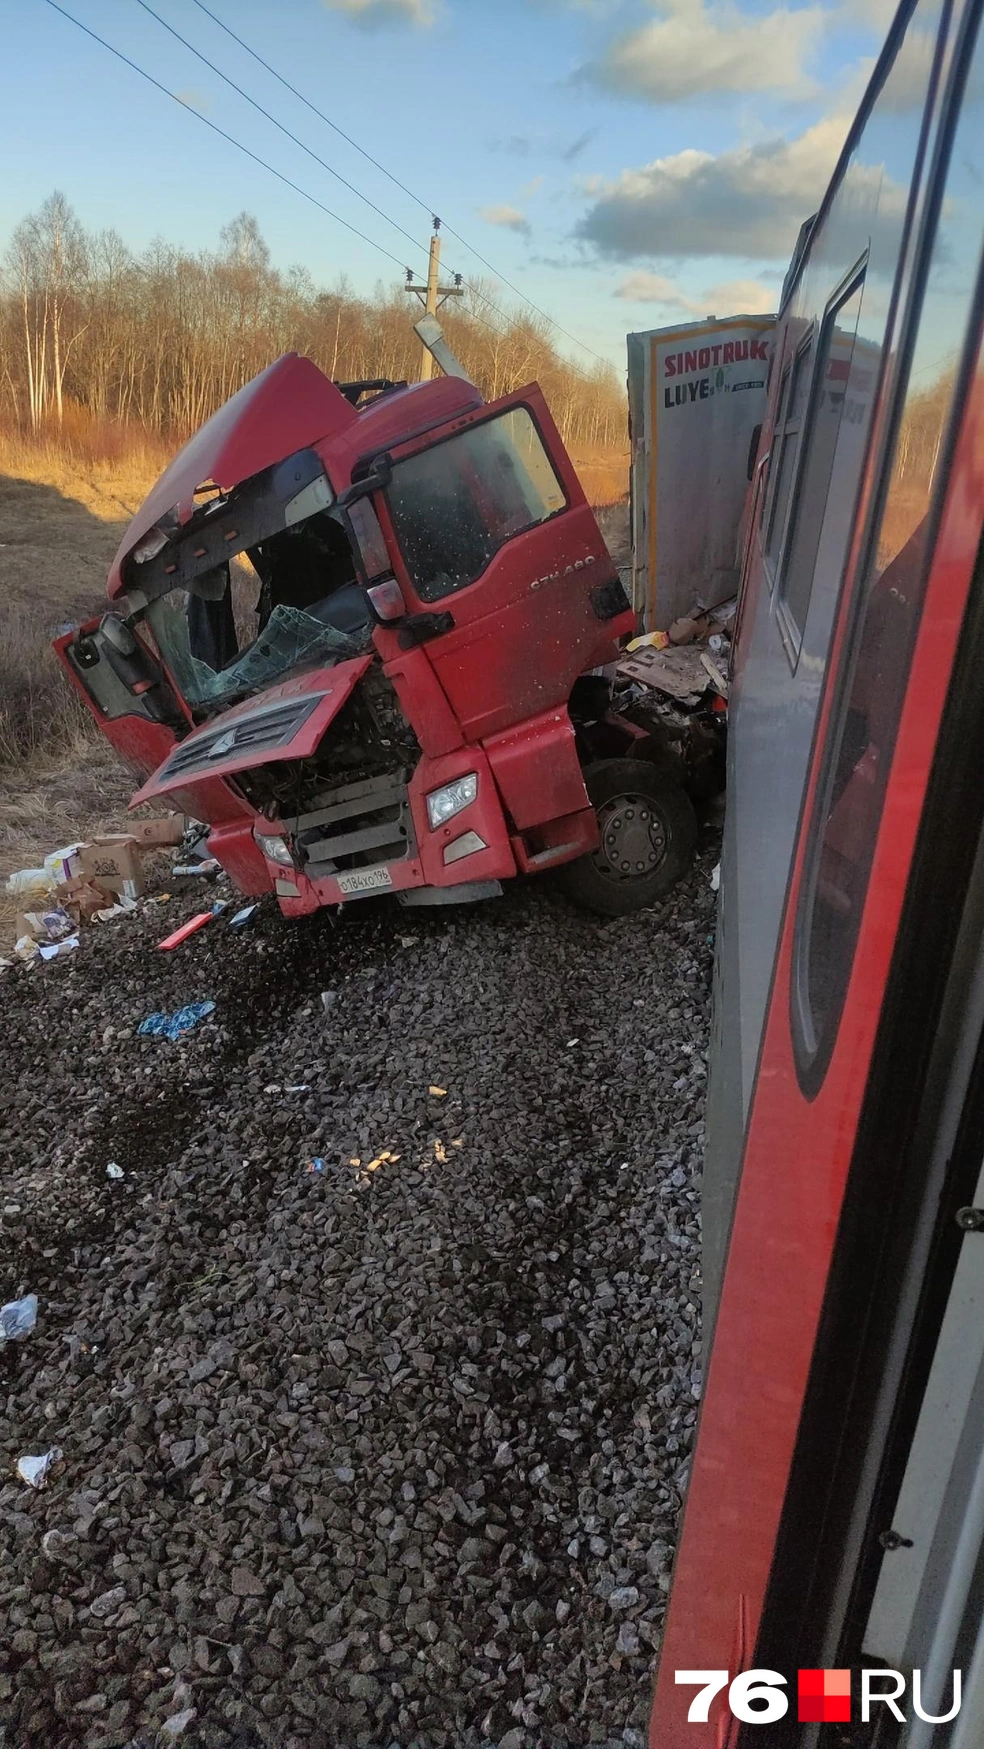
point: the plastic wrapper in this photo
(18, 1318)
(174, 1026)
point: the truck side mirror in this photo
(378, 474)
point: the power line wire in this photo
(414, 241)
(427, 206)
(133, 65)
(230, 138)
(264, 165)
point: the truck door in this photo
(509, 583)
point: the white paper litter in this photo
(34, 1470)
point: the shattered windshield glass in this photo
(290, 639)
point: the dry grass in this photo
(604, 474)
(60, 523)
(613, 520)
(61, 518)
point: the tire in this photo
(619, 790)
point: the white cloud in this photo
(651, 288)
(749, 297)
(694, 48)
(509, 217)
(749, 201)
(531, 187)
(372, 12)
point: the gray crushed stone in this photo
(386, 1454)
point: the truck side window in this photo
(454, 506)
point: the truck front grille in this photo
(356, 826)
(255, 732)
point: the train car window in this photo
(939, 352)
(830, 403)
(767, 495)
(785, 447)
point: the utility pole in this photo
(433, 294)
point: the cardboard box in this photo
(113, 865)
(80, 899)
(159, 833)
(63, 865)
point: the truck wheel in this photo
(648, 836)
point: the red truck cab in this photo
(352, 640)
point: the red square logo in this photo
(824, 1697)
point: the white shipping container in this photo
(696, 394)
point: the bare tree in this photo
(165, 337)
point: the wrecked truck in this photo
(361, 631)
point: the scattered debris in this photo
(685, 630)
(242, 917)
(679, 673)
(35, 1470)
(161, 833)
(438, 1092)
(716, 877)
(328, 1000)
(45, 926)
(316, 1165)
(123, 908)
(113, 1170)
(18, 1318)
(174, 1026)
(54, 949)
(112, 864)
(658, 641)
(386, 1158)
(714, 671)
(207, 868)
(29, 880)
(190, 928)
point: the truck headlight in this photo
(275, 847)
(443, 804)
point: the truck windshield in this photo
(454, 506)
(292, 638)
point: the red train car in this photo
(833, 1537)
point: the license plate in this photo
(366, 880)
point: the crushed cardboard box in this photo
(81, 900)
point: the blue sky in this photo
(623, 163)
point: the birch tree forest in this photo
(88, 329)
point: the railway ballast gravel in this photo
(375, 1373)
